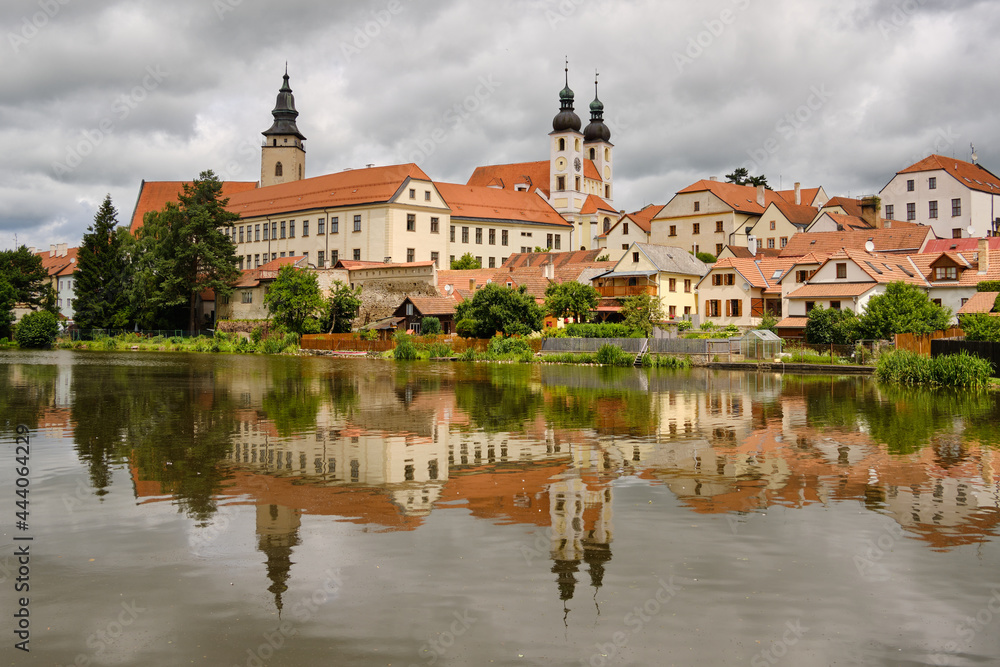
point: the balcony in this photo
(626, 290)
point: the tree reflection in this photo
(26, 391)
(502, 400)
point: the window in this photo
(625, 229)
(673, 284)
(932, 209)
(718, 226)
(548, 241)
(503, 237)
(593, 154)
(427, 195)
(770, 242)
(306, 256)
(435, 226)
(560, 182)
(841, 269)
(281, 254)
(889, 212)
(624, 246)
(964, 301)
(730, 278)
(493, 236)
(687, 285)
(956, 233)
(673, 312)
(835, 305)
(357, 254)
(282, 229)
(305, 228)
(783, 241)
(697, 206)
(718, 249)
(267, 228)
(334, 257)
(256, 261)
(810, 305)
(946, 273)
(696, 228)
(695, 249)
(734, 308)
(241, 234)
(465, 234)
(911, 211)
(909, 185)
(607, 225)
(409, 308)
(936, 302)
(246, 296)
(357, 223)
(558, 240)
(434, 258)
(479, 260)
(291, 229)
(274, 230)
(577, 183)
(493, 262)
(413, 193)
(411, 254)
(334, 225)
(635, 256)
(411, 222)
(320, 259)
(249, 263)
(712, 306)
(278, 171)
(479, 235)
(932, 183)
(673, 230)
(956, 207)
(321, 226)
(562, 144)
(451, 234)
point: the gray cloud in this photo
(690, 91)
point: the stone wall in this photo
(380, 300)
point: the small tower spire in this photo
(566, 119)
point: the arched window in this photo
(278, 170)
(607, 155)
(562, 144)
(577, 145)
(607, 225)
(593, 154)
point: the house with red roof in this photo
(957, 199)
(630, 228)
(740, 290)
(779, 221)
(59, 262)
(247, 301)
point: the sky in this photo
(96, 96)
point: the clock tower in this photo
(566, 157)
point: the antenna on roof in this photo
(869, 246)
(974, 156)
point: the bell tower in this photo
(597, 144)
(283, 155)
(566, 156)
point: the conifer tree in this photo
(101, 300)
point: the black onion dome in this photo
(284, 113)
(596, 129)
(566, 119)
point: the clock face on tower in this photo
(577, 163)
(561, 164)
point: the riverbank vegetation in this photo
(277, 342)
(953, 370)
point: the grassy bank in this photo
(257, 343)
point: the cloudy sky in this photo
(96, 95)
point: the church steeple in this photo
(596, 130)
(283, 157)
(566, 119)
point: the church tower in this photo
(566, 156)
(597, 144)
(283, 157)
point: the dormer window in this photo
(946, 273)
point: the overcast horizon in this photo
(99, 96)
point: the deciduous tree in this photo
(24, 272)
(292, 297)
(903, 308)
(342, 307)
(640, 311)
(466, 261)
(494, 308)
(571, 299)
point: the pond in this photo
(250, 510)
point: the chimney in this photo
(984, 256)
(713, 178)
(870, 211)
(62, 249)
(760, 196)
(52, 250)
(472, 284)
(798, 194)
(549, 271)
(752, 245)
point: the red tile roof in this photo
(923, 263)
(960, 245)
(344, 188)
(793, 323)
(980, 302)
(268, 271)
(900, 237)
(831, 289)
(759, 272)
(742, 198)
(154, 195)
(849, 205)
(593, 204)
(354, 265)
(590, 171)
(806, 195)
(797, 215)
(482, 203)
(519, 259)
(744, 252)
(59, 265)
(972, 176)
(432, 305)
(881, 268)
(641, 218)
(508, 176)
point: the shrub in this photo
(405, 349)
(270, 345)
(508, 348)
(684, 325)
(256, 334)
(954, 370)
(601, 330)
(466, 328)
(438, 350)
(981, 327)
(612, 355)
(469, 354)
(430, 326)
(665, 361)
(37, 330)
(108, 343)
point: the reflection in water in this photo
(384, 446)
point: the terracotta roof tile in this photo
(806, 195)
(344, 188)
(433, 305)
(793, 323)
(980, 302)
(744, 252)
(851, 206)
(960, 245)
(482, 203)
(534, 175)
(741, 198)
(154, 195)
(831, 289)
(972, 176)
(922, 264)
(519, 259)
(593, 204)
(799, 215)
(59, 265)
(900, 237)
(354, 265)
(590, 171)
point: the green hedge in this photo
(601, 330)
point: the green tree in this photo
(37, 329)
(8, 297)
(741, 176)
(466, 261)
(430, 326)
(292, 297)
(706, 257)
(640, 311)
(101, 288)
(494, 308)
(571, 299)
(24, 272)
(981, 327)
(828, 326)
(190, 251)
(342, 307)
(769, 322)
(903, 308)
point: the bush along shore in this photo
(953, 370)
(276, 342)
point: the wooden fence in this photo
(921, 343)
